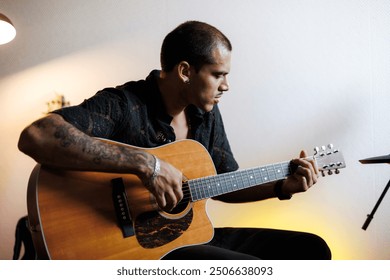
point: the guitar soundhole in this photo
(180, 207)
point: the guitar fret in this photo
(198, 189)
(218, 188)
(233, 182)
(258, 176)
(262, 176)
(277, 171)
(223, 184)
(283, 170)
(209, 189)
(245, 178)
(193, 190)
(253, 176)
(271, 172)
(203, 189)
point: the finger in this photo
(171, 200)
(161, 201)
(313, 170)
(307, 174)
(178, 191)
(302, 182)
(160, 196)
(303, 154)
(313, 163)
(303, 175)
(308, 163)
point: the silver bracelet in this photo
(156, 170)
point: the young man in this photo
(178, 102)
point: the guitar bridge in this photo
(119, 198)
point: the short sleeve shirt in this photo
(134, 114)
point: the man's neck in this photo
(172, 95)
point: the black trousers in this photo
(255, 243)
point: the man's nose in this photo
(225, 85)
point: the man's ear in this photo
(184, 71)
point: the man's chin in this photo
(209, 108)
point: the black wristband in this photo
(278, 191)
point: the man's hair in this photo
(192, 41)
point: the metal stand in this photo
(371, 216)
(379, 159)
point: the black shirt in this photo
(134, 114)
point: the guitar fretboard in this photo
(233, 181)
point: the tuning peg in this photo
(330, 146)
(320, 151)
(330, 172)
(323, 173)
(337, 171)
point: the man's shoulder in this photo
(139, 89)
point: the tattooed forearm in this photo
(69, 137)
(62, 134)
(60, 144)
(100, 152)
(137, 157)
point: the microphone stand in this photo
(380, 159)
(371, 215)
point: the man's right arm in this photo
(54, 142)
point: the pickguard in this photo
(154, 230)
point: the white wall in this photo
(304, 73)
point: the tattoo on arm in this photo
(69, 136)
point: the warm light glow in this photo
(7, 30)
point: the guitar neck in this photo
(212, 186)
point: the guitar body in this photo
(72, 214)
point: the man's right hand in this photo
(166, 186)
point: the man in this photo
(178, 102)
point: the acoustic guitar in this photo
(97, 215)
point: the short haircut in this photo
(192, 41)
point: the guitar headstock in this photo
(329, 159)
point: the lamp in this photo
(7, 30)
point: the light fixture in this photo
(7, 30)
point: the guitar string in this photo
(187, 195)
(258, 177)
(256, 174)
(206, 192)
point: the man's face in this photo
(208, 85)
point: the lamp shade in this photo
(7, 30)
